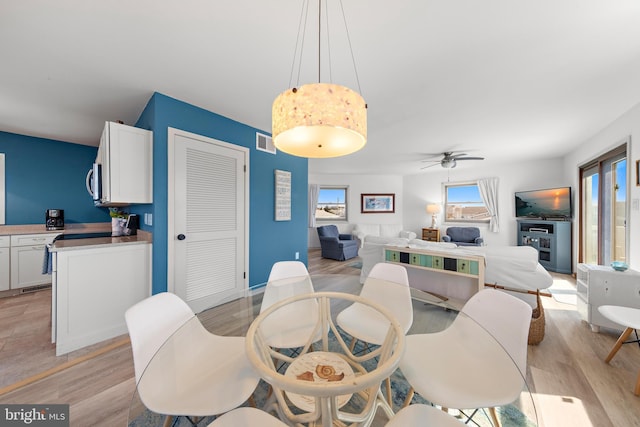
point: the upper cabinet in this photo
(125, 155)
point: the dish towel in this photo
(46, 262)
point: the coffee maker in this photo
(54, 219)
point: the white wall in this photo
(608, 138)
(359, 184)
(419, 190)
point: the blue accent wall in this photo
(46, 174)
(269, 240)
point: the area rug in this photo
(356, 264)
(563, 291)
(509, 416)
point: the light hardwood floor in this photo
(571, 384)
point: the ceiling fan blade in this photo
(430, 161)
(430, 166)
(469, 158)
(456, 156)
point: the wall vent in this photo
(265, 143)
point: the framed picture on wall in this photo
(377, 203)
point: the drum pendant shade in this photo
(319, 120)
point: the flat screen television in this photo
(549, 203)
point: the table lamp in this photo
(434, 210)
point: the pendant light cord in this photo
(304, 13)
(319, 35)
(353, 59)
(300, 40)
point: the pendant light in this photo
(319, 120)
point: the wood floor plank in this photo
(570, 383)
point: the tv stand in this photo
(552, 240)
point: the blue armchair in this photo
(335, 245)
(463, 236)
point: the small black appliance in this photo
(54, 219)
(133, 223)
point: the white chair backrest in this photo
(391, 272)
(150, 322)
(395, 298)
(286, 269)
(506, 318)
(278, 288)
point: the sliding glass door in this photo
(590, 208)
(603, 209)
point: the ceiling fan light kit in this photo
(319, 120)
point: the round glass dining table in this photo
(324, 382)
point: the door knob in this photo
(181, 237)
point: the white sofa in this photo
(362, 231)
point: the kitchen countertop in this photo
(142, 237)
(94, 227)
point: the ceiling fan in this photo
(449, 160)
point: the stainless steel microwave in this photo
(94, 183)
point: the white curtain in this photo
(314, 189)
(489, 192)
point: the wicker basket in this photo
(536, 330)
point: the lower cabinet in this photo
(5, 243)
(27, 256)
(92, 288)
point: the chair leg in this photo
(494, 417)
(618, 344)
(388, 385)
(168, 420)
(407, 399)
(353, 344)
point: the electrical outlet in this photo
(148, 219)
(297, 255)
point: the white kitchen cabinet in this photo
(5, 250)
(598, 285)
(27, 256)
(126, 158)
(93, 286)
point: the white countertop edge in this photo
(100, 242)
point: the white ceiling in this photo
(503, 79)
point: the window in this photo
(463, 203)
(332, 204)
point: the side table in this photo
(431, 234)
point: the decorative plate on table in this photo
(310, 366)
(619, 265)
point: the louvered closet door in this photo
(208, 235)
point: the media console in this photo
(451, 277)
(552, 240)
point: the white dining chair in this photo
(422, 415)
(293, 325)
(479, 361)
(247, 416)
(182, 369)
(388, 285)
